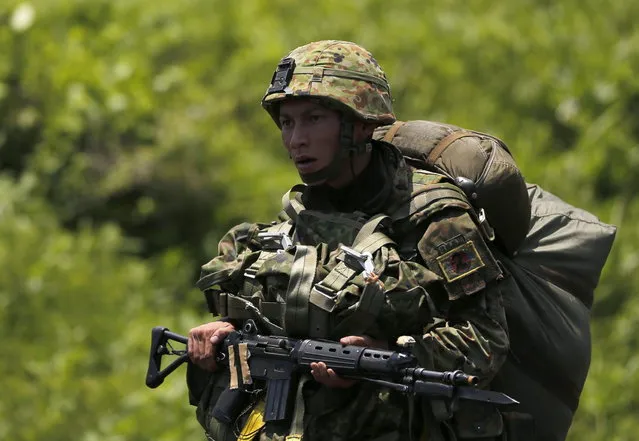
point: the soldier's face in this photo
(310, 133)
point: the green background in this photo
(131, 138)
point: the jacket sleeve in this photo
(468, 330)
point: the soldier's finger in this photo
(337, 381)
(191, 348)
(201, 344)
(318, 370)
(219, 335)
(355, 340)
(209, 349)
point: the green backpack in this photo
(554, 252)
(479, 163)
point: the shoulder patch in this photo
(453, 248)
(460, 262)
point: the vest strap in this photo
(296, 431)
(296, 318)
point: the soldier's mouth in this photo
(305, 163)
(304, 160)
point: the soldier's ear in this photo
(364, 130)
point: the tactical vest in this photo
(328, 274)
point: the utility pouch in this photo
(229, 405)
(207, 405)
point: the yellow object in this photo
(254, 423)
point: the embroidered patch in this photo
(460, 262)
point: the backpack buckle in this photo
(275, 241)
(357, 260)
(323, 297)
(488, 231)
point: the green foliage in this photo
(76, 316)
(131, 138)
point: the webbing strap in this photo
(373, 297)
(242, 309)
(296, 431)
(442, 145)
(392, 131)
(291, 206)
(297, 294)
(319, 72)
(369, 228)
(373, 242)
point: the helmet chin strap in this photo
(347, 152)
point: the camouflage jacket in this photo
(458, 321)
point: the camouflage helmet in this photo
(343, 73)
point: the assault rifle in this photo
(257, 361)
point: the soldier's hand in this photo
(328, 377)
(203, 341)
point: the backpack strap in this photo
(392, 131)
(446, 141)
(441, 146)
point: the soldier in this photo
(327, 98)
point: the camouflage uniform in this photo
(457, 319)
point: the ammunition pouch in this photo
(206, 391)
